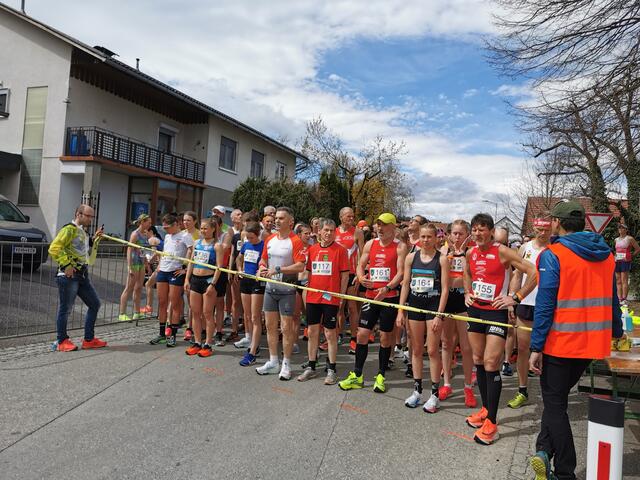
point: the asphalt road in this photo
(140, 411)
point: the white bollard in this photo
(605, 438)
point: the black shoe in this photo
(507, 371)
(409, 372)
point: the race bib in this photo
(621, 256)
(321, 268)
(201, 256)
(457, 264)
(484, 291)
(421, 284)
(238, 245)
(380, 274)
(251, 256)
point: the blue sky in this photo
(410, 71)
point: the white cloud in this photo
(259, 62)
(470, 93)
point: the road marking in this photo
(459, 435)
(213, 371)
(286, 391)
(347, 406)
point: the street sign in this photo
(598, 221)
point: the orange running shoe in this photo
(66, 346)
(352, 347)
(146, 309)
(205, 351)
(476, 420)
(324, 346)
(95, 343)
(305, 334)
(372, 338)
(487, 434)
(445, 392)
(193, 349)
(469, 398)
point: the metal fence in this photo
(29, 293)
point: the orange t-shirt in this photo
(326, 265)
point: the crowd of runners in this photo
(466, 269)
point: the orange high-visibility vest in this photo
(582, 319)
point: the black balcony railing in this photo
(94, 141)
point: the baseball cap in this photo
(568, 209)
(387, 218)
(219, 208)
(362, 223)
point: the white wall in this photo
(246, 142)
(9, 184)
(69, 198)
(30, 57)
(114, 191)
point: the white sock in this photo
(285, 362)
(273, 359)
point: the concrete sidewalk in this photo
(141, 411)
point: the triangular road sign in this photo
(598, 221)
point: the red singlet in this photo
(488, 276)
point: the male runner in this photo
(282, 259)
(384, 256)
(486, 281)
(352, 239)
(414, 229)
(524, 312)
(328, 266)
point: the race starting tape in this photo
(343, 296)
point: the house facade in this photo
(77, 125)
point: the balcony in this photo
(84, 142)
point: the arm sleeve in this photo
(298, 253)
(546, 300)
(59, 247)
(616, 318)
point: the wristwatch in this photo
(534, 350)
(516, 298)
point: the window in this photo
(228, 154)
(4, 102)
(32, 140)
(257, 164)
(165, 140)
(281, 170)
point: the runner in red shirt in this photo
(328, 266)
(352, 239)
(486, 282)
(384, 256)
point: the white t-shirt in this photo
(530, 254)
(176, 244)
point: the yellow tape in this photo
(315, 290)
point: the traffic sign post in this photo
(598, 221)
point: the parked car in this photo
(20, 242)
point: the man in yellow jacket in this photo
(73, 250)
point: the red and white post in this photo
(605, 437)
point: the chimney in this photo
(137, 64)
(22, 6)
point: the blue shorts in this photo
(170, 278)
(623, 267)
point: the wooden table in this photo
(624, 363)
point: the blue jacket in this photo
(590, 246)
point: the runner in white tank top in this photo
(625, 249)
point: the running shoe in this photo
(372, 338)
(476, 420)
(66, 346)
(268, 368)
(409, 372)
(168, 331)
(296, 349)
(232, 337)
(138, 316)
(219, 340)
(242, 343)
(487, 433)
(513, 358)
(541, 466)
(324, 346)
(285, 373)
(205, 351)
(247, 360)
(160, 339)
(507, 371)
(171, 341)
(305, 334)
(474, 378)
(352, 382)
(414, 400)
(227, 320)
(123, 317)
(406, 356)
(188, 335)
(193, 349)
(331, 378)
(445, 392)
(352, 347)
(432, 405)
(518, 401)
(308, 374)
(146, 309)
(95, 343)
(378, 384)
(397, 352)
(469, 398)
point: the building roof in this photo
(541, 206)
(151, 81)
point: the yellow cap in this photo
(387, 218)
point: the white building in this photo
(79, 124)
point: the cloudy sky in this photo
(406, 70)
